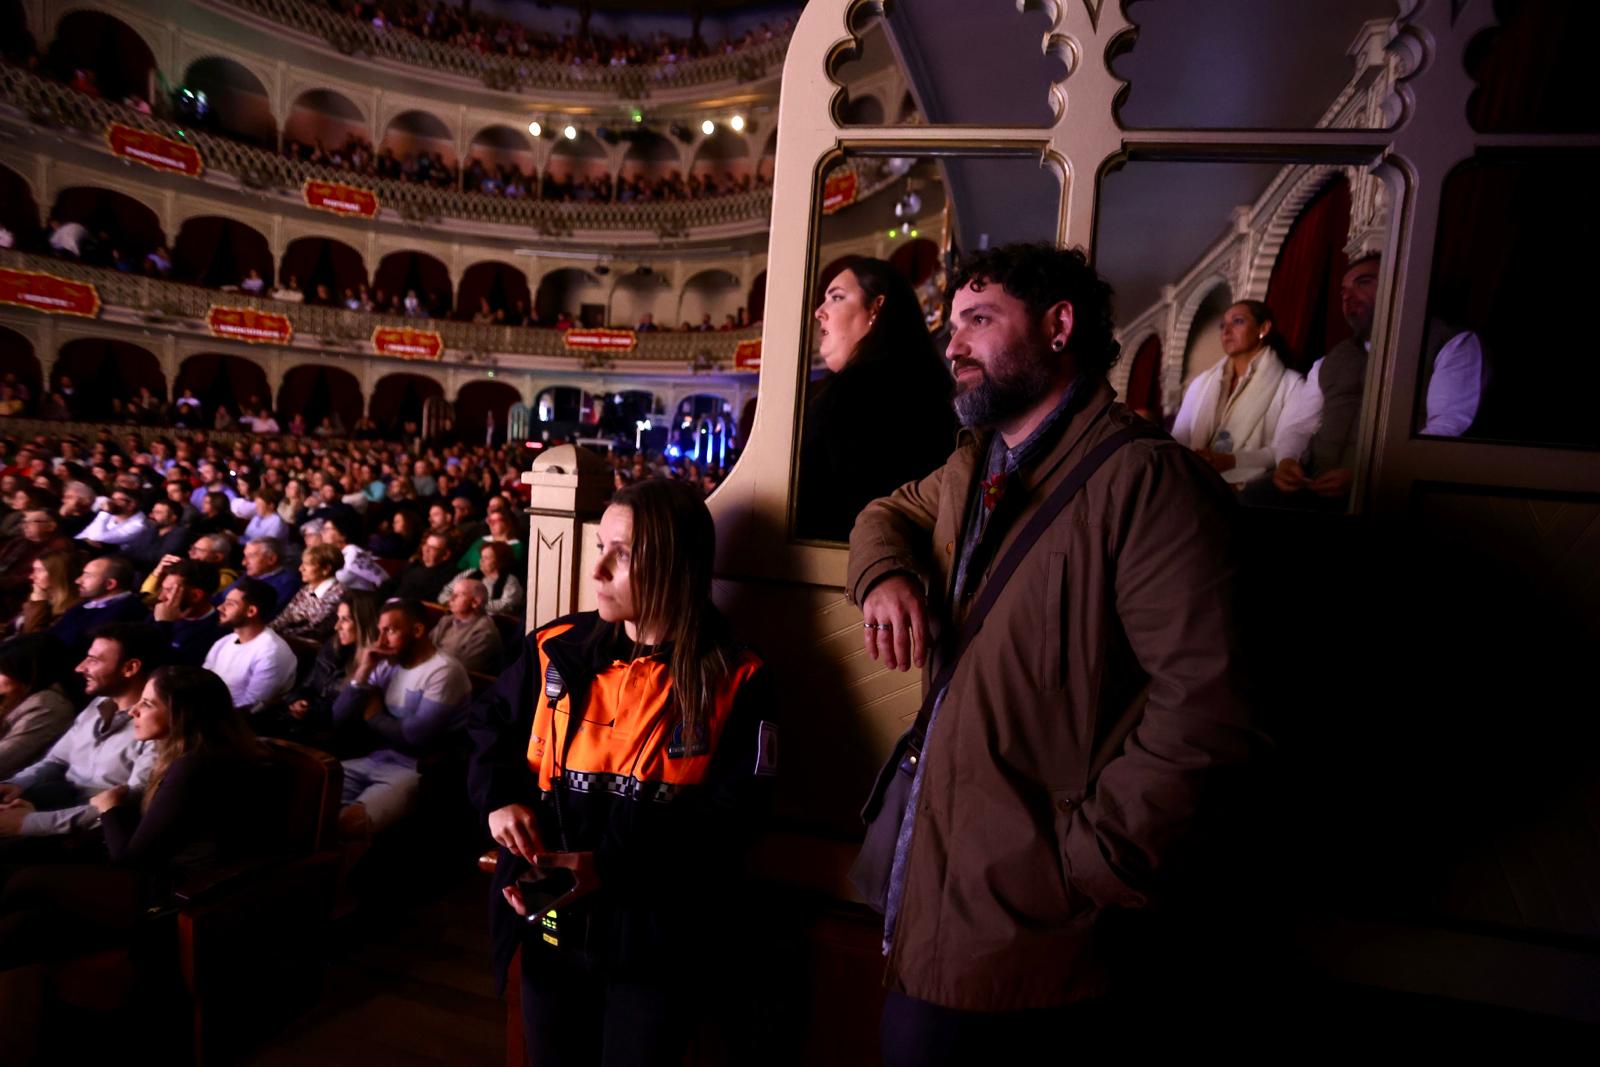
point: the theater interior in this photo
(556, 247)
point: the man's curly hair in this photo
(1041, 275)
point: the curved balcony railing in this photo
(512, 73)
(159, 302)
(51, 104)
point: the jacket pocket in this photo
(1064, 806)
(1052, 629)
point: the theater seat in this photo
(249, 939)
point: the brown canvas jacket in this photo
(1082, 728)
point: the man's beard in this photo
(1017, 380)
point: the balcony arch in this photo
(713, 293)
(103, 370)
(497, 147)
(408, 271)
(119, 59)
(214, 251)
(505, 288)
(398, 398)
(573, 163)
(637, 294)
(767, 165)
(131, 227)
(19, 213)
(240, 104)
(650, 157)
(17, 357)
(865, 110)
(571, 290)
(312, 261)
(478, 403)
(326, 117)
(316, 390)
(1202, 347)
(723, 159)
(220, 380)
(416, 132)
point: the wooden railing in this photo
(166, 303)
(633, 82)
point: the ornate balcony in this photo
(176, 306)
(632, 82)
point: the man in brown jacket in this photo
(1066, 760)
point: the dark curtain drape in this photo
(118, 56)
(1504, 267)
(1303, 292)
(16, 357)
(314, 261)
(1144, 379)
(130, 225)
(18, 212)
(399, 399)
(104, 370)
(215, 252)
(403, 271)
(224, 380)
(503, 285)
(477, 401)
(756, 303)
(1532, 70)
(315, 390)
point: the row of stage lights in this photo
(569, 131)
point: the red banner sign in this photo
(250, 325)
(48, 293)
(340, 199)
(154, 150)
(606, 340)
(747, 356)
(407, 343)
(838, 191)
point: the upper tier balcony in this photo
(748, 62)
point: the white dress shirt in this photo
(1455, 387)
(108, 529)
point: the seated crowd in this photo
(492, 35)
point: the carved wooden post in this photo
(570, 487)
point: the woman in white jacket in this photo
(1232, 415)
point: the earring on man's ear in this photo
(1058, 344)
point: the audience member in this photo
(105, 589)
(263, 561)
(410, 695)
(310, 613)
(184, 613)
(256, 663)
(495, 570)
(34, 710)
(467, 634)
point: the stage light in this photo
(536, 129)
(708, 127)
(570, 133)
(737, 122)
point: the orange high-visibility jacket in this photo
(585, 731)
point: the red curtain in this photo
(1304, 290)
(1531, 70)
(916, 261)
(1144, 379)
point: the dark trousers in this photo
(574, 1015)
(915, 1033)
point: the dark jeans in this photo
(574, 1015)
(915, 1033)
